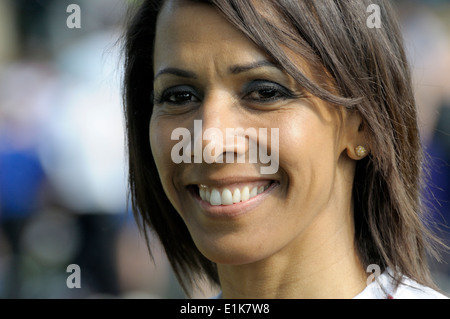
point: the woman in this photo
(344, 196)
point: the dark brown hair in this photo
(370, 74)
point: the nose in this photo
(214, 135)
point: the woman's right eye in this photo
(179, 95)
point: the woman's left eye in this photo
(264, 94)
(266, 91)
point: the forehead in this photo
(192, 31)
(187, 14)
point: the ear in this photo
(355, 141)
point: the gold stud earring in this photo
(361, 151)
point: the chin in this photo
(232, 251)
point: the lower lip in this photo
(234, 210)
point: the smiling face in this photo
(206, 69)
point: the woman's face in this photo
(207, 70)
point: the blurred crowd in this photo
(62, 159)
(63, 195)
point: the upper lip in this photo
(220, 182)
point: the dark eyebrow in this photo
(236, 69)
(177, 72)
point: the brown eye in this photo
(262, 91)
(179, 95)
(182, 97)
(264, 94)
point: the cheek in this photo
(159, 141)
(161, 146)
(307, 156)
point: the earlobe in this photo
(358, 152)
(361, 151)
(355, 140)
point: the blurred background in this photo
(63, 164)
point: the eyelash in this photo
(257, 86)
(167, 94)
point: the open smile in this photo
(232, 199)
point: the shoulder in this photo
(383, 288)
(409, 289)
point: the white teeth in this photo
(202, 193)
(227, 197)
(236, 196)
(215, 198)
(254, 192)
(245, 194)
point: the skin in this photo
(299, 241)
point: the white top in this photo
(383, 288)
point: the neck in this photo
(320, 263)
